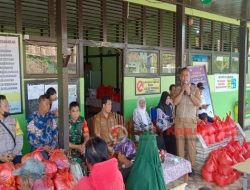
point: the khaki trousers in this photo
(185, 133)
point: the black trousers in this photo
(170, 141)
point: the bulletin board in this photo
(34, 89)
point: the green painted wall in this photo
(130, 100)
(222, 101)
(109, 65)
(109, 71)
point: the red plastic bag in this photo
(220, 180)
(217, 123)
(6, 187)
(26, 157)
(6, 177)
(50, 168)
(246, 145)
(208, 176)
(247, 155)
(224, 159)
(210, 129)
(18, 178)
(43, 184)
(210, 165)
(211, 139)
(219, 136)
(37, 154)
(224, 170)
(64, 180)
(60, 159)
(238, 157)
(206, 139)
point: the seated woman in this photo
(142, 122)
(146, 173)
(141, 119)
(104, 172)
(164, 121)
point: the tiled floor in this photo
(196, 182)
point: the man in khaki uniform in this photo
(104, 120)
(187, 100)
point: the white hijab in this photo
(142, 111)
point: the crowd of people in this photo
(178, 109)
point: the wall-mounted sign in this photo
(10, 76)
(198, 74)
(141, 61)
(226, 82)
(145, 86)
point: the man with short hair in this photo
(78, 133)
(104, 120)
(11, 135)
(42, 129)
(187, 100)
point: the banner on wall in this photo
(226, 82)
(146, 86)
(198, 74)
(10, 74)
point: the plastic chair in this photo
(153, 114)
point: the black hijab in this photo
(166, 108)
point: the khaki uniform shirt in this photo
(186, 108)
(103, 125)
(6, 142)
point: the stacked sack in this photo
(218, 130)
(218, 168)
(57, 173)
(7, 181)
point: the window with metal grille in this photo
(226, 38)
(115, 24)
(92, 20)
(72, 26)
(152, 27)
(135, 24)
(217, 36)
(168, 29)
(188, 22)
(195, 37)
(207, 34)
(7, 16)
(235, 38)
(35, 17)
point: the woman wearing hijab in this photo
(142, 122)
(146, 172)
(164, 121)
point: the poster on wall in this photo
(10, 74)
(146, 86)
(34, 89)
(198, 74)
(140, 61)
(226, 82)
